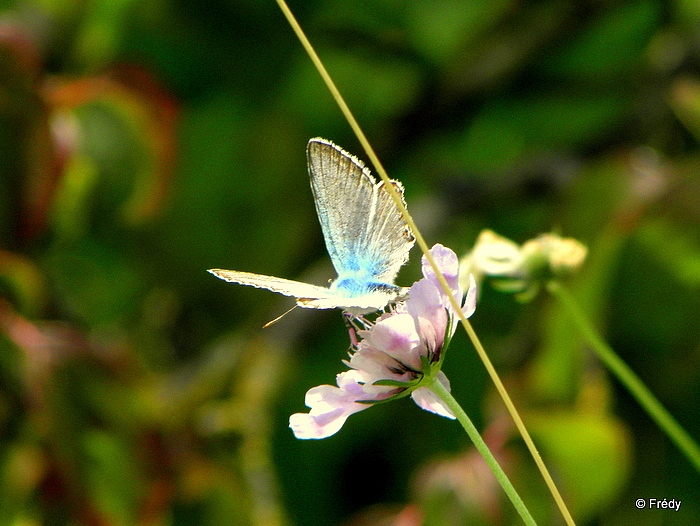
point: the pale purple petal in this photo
(304, 426)
(349, 381)
(447, 262)
(370, 362)
(373, 365)
(424, 299)
(394, 334)
(426, 306)
(428, 400)
(470, 301)
(432, 334)
(426, 302)
(330, 408)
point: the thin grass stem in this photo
(483, 450)
(426, 251)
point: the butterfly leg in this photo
(349, 320)
(355, 323)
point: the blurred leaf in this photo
(687, 13)
(458, 490)
(685, 101)
(27, 164)
(459, 24)
(504, 52)
(113, 477)
(22, 282)
(590, 453)
(174, 400)
(390, 86)
(124, 125)
(23, 467)
(222, 204)
(96, 284)
(611, 44)
(100, 32)
(512, 130)
(654, 311)
(677, 250)
(71, 209)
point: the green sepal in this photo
(402, 394)
(426, 365)
(527, 295)
(509, 286)
(397, 383)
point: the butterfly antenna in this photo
(278, 318)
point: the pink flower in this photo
(395, 355)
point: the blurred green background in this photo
(145, 142)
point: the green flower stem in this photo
(532, 448)
(482, 448)
(626, 376)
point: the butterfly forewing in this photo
(362, 226)
(343, 195)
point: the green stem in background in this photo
(482, 448)
(626, 376)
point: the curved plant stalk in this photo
(483, 450)
(425, 249)
(626, 376)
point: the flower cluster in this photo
(396, 356)
(521, 269)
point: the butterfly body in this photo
(367, 238)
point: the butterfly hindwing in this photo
(390, 235)
(286, 287)
(307, 295)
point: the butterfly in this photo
(367, 238)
